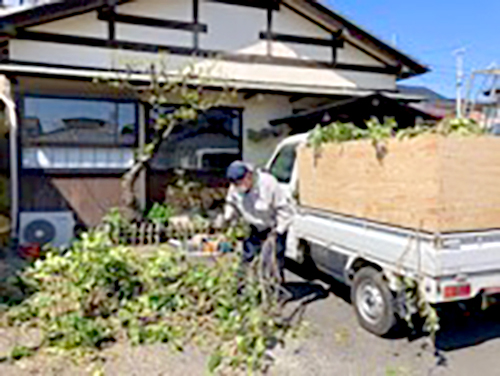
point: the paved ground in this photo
(338, 346)
(334, 344)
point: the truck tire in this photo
(373, 302)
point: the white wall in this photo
(85, 25)
(231, 28)
(276, 76)
(181, 10)
(288, 22)
(258, 111)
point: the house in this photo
(77, 137)
(482, 108)
(432, 102)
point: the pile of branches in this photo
(97, 293)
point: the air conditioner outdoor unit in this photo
(54, 228)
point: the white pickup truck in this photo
(372, 257)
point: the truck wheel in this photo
(373, 302)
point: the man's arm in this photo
(230, 212)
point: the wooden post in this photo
(134, 234)
(142, 235)
(336, 37)
(157, 239)
(269, 29)
(196, 33)
(142, 178)
(151, 229)
(111, 8)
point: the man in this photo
(257, 197)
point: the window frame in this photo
(34, 143)
(240, 137)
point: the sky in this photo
(430, 31)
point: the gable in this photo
(250, 40)
(311, 10)
(231, 28)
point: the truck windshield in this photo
(282, 166)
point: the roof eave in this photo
(48, 12)
(415, 66)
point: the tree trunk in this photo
(131, 208)
(129, 201)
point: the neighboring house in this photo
(77, 136)
(485, 109)
(487, 114)
(432, 103)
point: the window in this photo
(77, 134)
(282, 166)
(49, 121)
(210, 143)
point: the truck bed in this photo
(473, 255)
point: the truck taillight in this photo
(457, 291)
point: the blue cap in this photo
(237, 171)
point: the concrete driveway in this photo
(337, 345)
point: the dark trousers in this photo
(252, 247)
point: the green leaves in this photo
(214, 362)
(335, 132)
(415, 302)
(97, 293)
(446, 127)
(378, 132)
(19, 352)
(459, 126)
(160, 213)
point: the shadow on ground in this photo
(461, 329)
(310, 273)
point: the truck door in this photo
(283, 165)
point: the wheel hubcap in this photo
(370, 302)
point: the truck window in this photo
(282, 166)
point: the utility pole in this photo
(459, 55)
(394, 40)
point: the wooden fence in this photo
(145, 233)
